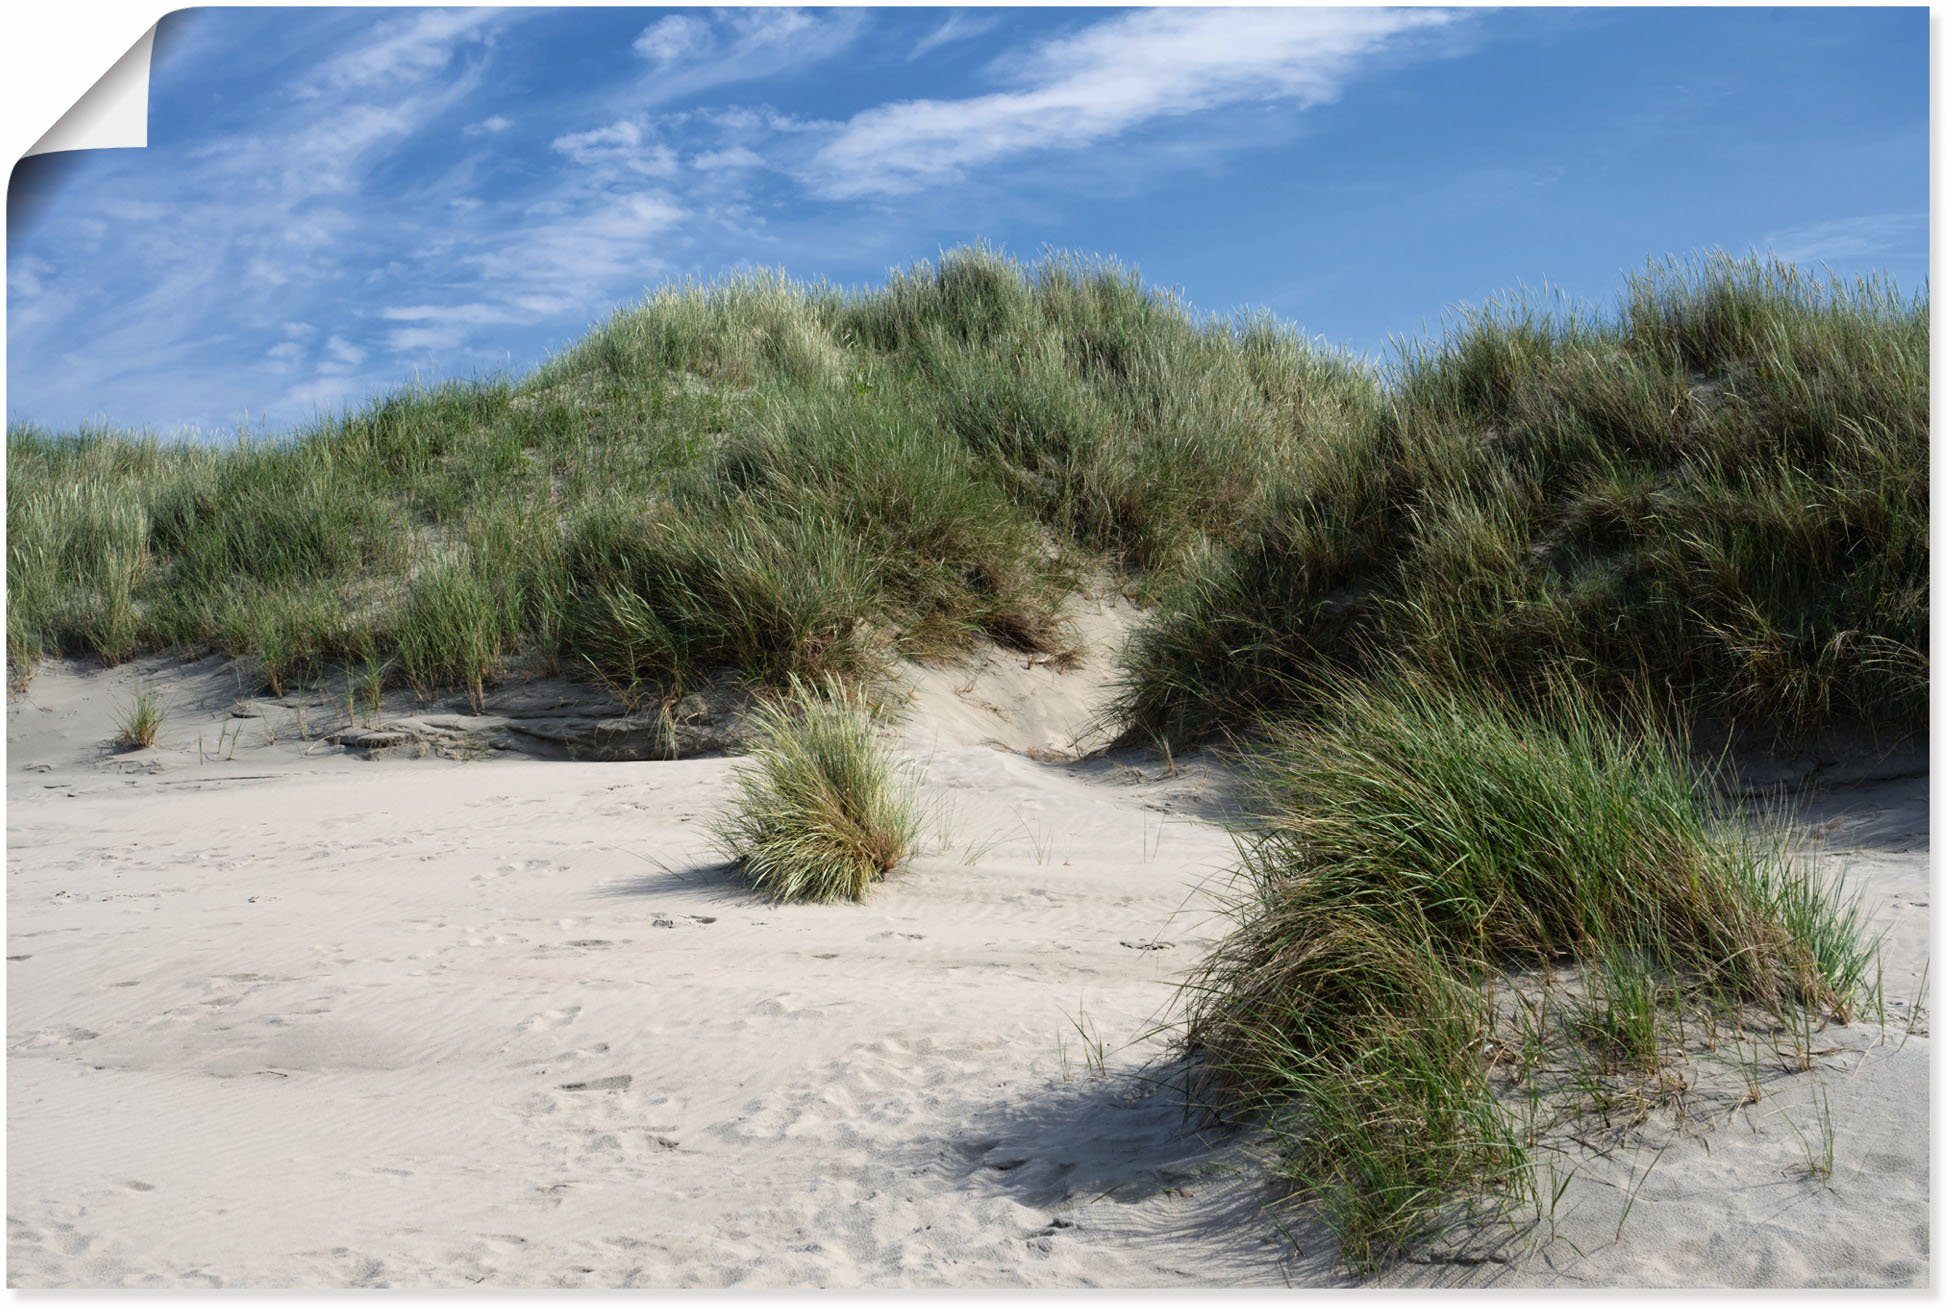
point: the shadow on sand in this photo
(1114, 1157)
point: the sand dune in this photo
(289, 1017)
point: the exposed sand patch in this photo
(1026, 703)
(299, 1018)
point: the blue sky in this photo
(336, 200)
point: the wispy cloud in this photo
(28, 276)
(1110, 78)
(729, 160)
(341, 355)
(437, 338)
(625, 146)
(214, 251)
(410, 48)
(576, 253)
(962, 25)
(1866, 236)
(687, 54)
(474, 313)
(674, 39)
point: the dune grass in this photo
(1719, 492)
(822, 811)
(138, 724)
(778, 478)
(1416, 844)
(1707, 508)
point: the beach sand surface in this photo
(281, 1016)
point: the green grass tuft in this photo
(822, 811)
(139, 722)
(1416, 844)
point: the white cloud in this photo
(474, 313)
(1111, 77)
(133, 211)
(732, 159)
(756, 28)
(27, 276)
(582, 252)
(671, 39)
(623, 145)
(489, 126)
(321, 157)
(1866, 236)
(342, 353)
(326, 391)
(542, 305)
(266, 272)
(427, 339)
(961, 25)
(404, 50)
(686, 54)
(758, 118)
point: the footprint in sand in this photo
(556, 1019)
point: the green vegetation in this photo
(821, 811)
(1720, 492)
(1720, 495)
(138, 723)
(1416, 845)
(1707, 509)
(780, 479)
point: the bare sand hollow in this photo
(295, 1018)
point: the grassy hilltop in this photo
(1720, 492)
(1459, 612)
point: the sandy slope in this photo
(296, 1018)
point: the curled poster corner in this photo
(113, 114)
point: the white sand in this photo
(297, 1018)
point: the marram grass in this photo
(1720, 490)
(140, 722)
(774, 478)
(821, 810)
(1416, 843)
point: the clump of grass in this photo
(822, 810)
(1719, 491)
(139, 722)
(1625, 1015)
(1415, 844)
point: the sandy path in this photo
(300, 1020)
